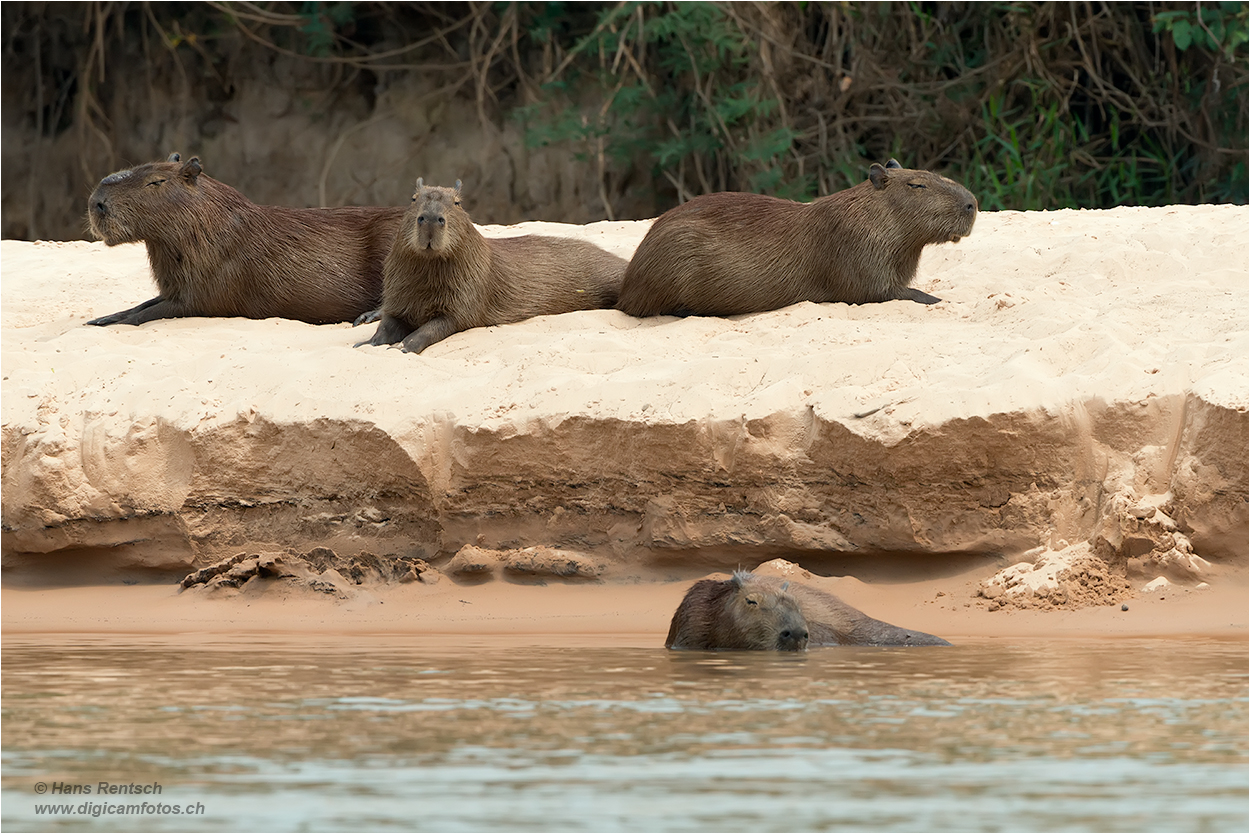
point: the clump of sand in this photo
(1071, 577)
(537, 563)
(320, 570)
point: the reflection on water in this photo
(1123, 735)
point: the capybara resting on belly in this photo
(741, 612)
(730, 253)
(213, 252)
(719, 615)
(442, 276)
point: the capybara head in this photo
(135, 204)
(433, 223)
(936, 208)
(764, 617)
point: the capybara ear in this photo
(893, 163)
(174, 157)
(457, 200)
(191, 169)
(878, 176)
(739, 577)
(420, 183)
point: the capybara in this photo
(708, 617)
(442, 276)
(741, 612)
(213, 252)
(730, 253)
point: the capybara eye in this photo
(442, 221)
(752, 601)
(156, 182)
(916, 185)
(420, 221)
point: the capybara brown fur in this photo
(213, 252)
(741, 612)
(730, 253)
(442, 276)
(707, 617)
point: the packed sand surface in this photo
(1068, 425)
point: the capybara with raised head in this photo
(709, 616)
(741, 612)
(213, 252)
(442, 276)
(730, 253)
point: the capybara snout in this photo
(792, 639)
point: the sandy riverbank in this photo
(1080, 394)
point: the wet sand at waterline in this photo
(556, 614)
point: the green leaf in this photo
(1182, 34)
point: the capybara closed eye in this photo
(213, 252)
(730, 253)
(442, 276)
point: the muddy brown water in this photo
(380, 733)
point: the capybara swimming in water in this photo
(730, 253)
(213, 252)
(442, 276)
(713, 615)
(739, 613)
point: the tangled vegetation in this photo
(1031, 105)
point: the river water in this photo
(381, 733)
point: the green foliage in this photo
(680, 98)
(1219, 28)
(1033, 106)
(322, 21)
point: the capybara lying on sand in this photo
(442, 276)
(729, 253)
(213, 252)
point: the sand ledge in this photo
(1084, 367)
